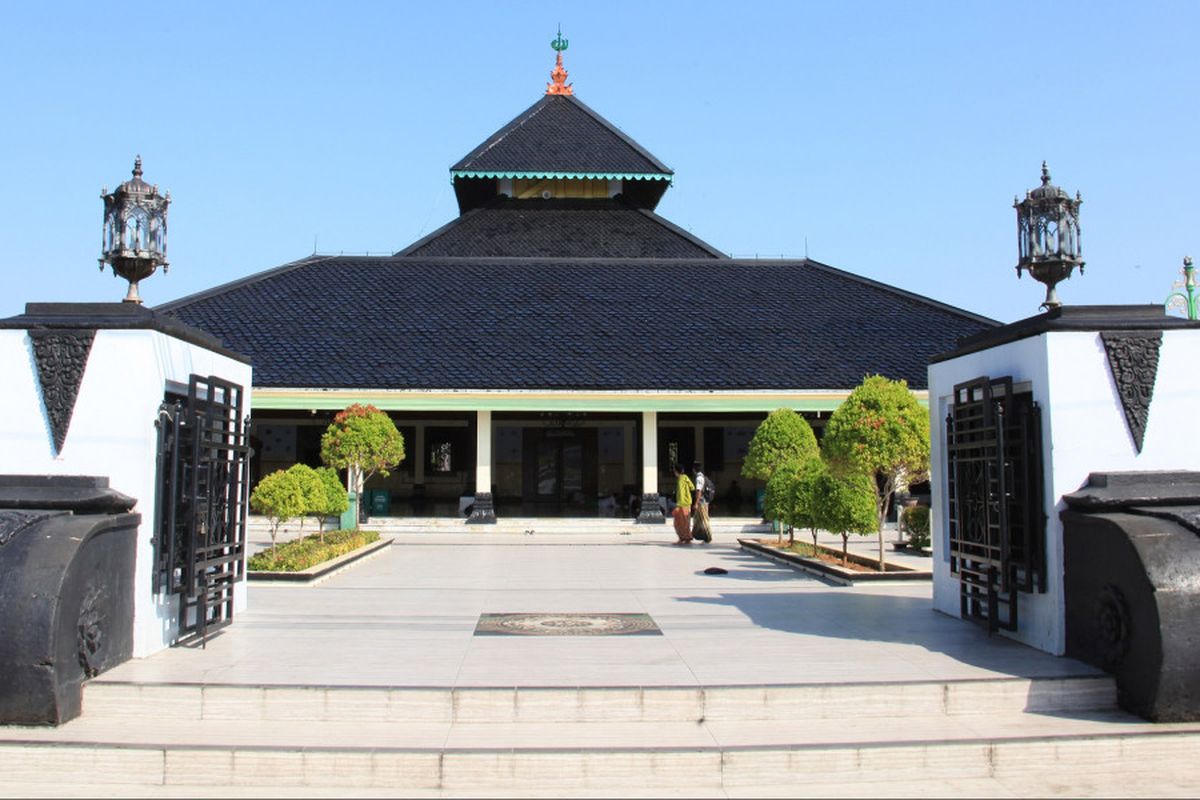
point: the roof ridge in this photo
(435, 234)
(887, 287)
(624, 136)
(497, 137)
(684, 234)
(205, 294)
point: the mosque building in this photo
(554, 349)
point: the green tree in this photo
(333, 497)
(845, 505)
(363, 441)
(805, 493)
(883, 432)
(785, 500)
(783, 436)
(310, 486)
(279, 497)
(779, 497)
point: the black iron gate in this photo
(996, 515)
(200, 531)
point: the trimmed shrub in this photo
(300, 554)
(310, 485)
(333, 499)
(881, 431)
(916, 521)
(279, 497)
(364, 441)
(844, 505)
(782, 437)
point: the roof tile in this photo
(559, 134)
(582, 324)
(561, 229)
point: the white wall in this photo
(1083, 431)
(111, 434)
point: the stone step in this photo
(1045, 753)
(115, 700)
(259, 526)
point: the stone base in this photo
(67, 581)
(483, 512)
(1132, 607)
(651, 512)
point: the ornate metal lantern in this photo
(1048, 235)
(135, 231)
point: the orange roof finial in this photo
(558, 75)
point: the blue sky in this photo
(888, 138)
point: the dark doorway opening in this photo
(559, 472)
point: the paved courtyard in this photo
(761, 681)
(408, 617)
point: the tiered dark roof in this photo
(559, 135)
(585, 295)
(579, 324)
(561, 229)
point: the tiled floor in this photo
(408, 615)
(407, 618)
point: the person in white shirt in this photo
(701, 531)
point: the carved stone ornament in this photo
(13, 522)
(1133, 360)
(1113, 624)
(90, 630)
(61, 357)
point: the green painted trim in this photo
(624, 176)
(330, 401)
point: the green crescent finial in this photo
(559, 43)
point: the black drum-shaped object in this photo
(1131, 562)
(67, 552)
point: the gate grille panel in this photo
(200, 535)
(996, 517)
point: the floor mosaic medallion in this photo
(566, 625)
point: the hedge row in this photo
(300, 554)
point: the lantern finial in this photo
(135, 231)
(1048, 236)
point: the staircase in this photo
(993, 737)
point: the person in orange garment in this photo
(683, 505)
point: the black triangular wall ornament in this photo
(1133, 361)
(61, 357)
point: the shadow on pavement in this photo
(841, 613)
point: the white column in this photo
(649, 452)
(483, 452)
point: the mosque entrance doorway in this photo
(560, 472)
